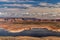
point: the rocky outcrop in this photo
(28, 26)
(29, 38)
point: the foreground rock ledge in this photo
(29, 38)
(12, 27)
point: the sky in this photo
(30, 6)
(34, 3)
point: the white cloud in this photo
(22, 6)
(43, 4)
(3, 0)
(57, 5)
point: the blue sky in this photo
(30, 6)
(32, 2)
(49, 1)
(36, 1)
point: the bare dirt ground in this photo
(29, 38)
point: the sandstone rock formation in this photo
(29, 38)
(13, 27)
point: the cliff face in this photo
(21, 26)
